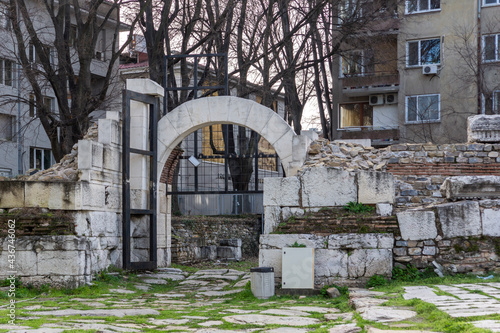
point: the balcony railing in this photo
(371, 133)
(380, 79)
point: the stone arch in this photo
(199, 113)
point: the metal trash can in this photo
(262, 281)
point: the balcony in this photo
(379, 137)
(365, 84)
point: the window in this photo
(33, 56)
(422, 108)
(490, 48)
(420, 6)
(354, 9)
(357, 63)
(40, 158)
(423, 52)
(4, 17)
(73, 34)
(496, 102)
(7, 127)
(356, 115)
(49, 103)
(101, 47)
(7, 72)
(491, 2)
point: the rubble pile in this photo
(349, 156)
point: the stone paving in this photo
(463, 300)
(190, 303)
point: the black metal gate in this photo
(151, 154)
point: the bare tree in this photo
(59, 45)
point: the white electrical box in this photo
(297, 268)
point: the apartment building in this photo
(24, 144)
(418, 75)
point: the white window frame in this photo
(496, 101)
(421, 121)
(420, 64)
(497, 48)
(497, 2)
(43, 151)
(32, 99)
(3, 73)
(407, 6)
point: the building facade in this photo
(24, 144)
(418, 76)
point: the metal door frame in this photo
(127, 212)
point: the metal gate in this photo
(151, 155)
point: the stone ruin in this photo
(434, 204)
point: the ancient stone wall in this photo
(419, 170)
(190, 233)
(86, 187)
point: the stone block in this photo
(369, 262)
(414, 251)
(471, 187)
(281, 191)
(145, 86)
(61, 263)
(272, 217)
(84, 154)
(93, 195)
(271, 258)
(483, 128)
(139, 226)
(417, 224)
(324, 187)
(11, 194)
(26, 263)
(161, 231)
(52, 195)
(460, 219)
(330, 263)
(255, 120)
(229, 252)
(429, 251)
(384, 209)
(109, 132)
(112, 159)
(283, 146)
(360, 241)
(491, 222)
(103, 224)
(235, 242)
(375, 187)
(275, 128)
(279, 241)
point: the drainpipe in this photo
(19, 140)
(481, 108)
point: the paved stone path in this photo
(191, 305)
(463, 300)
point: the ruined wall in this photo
(442, 198)
(419, 170)
(86, 187)
(190, 233)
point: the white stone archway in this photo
(199, 113)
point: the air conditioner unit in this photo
(376, 99)
(391, 98)
(430, 69)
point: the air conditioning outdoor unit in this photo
(430, 69)
(391, 98)
(376, 99)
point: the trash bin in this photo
(262, 281)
